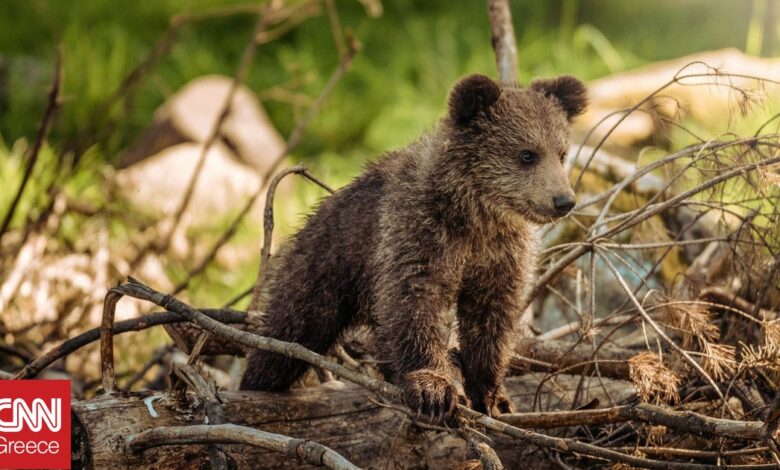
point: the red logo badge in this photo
(34, 424)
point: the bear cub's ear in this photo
(569, 91)
(472, 95)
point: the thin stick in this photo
(197, 348)
(268, 223)
(241, 295)
(108, 375)
(487, 456)
(43, 131)
(268, 213)
(156, 358)
(335, 27)
(574, 446)
(691, 453)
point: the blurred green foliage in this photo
(398, 84)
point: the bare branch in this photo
(136, 324)
(43, 131)
(306, 451)
(685, 421)
(503, 38)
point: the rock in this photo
(709, 99)
(158, 183)
(190, 115)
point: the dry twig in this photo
(43, 131)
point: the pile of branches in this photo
(670, 357)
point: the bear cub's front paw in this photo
(431, 393)
(493, 403)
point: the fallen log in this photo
(561, 356)
(345, 418)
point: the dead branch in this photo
(135, 289)
(685, 421)
(572, 445)
(721, 295)
(487, 456)
(268, 219)
(71, 345)
(268, 226)
(43, 130)
(156, 358)
(503, 39)
(268, 212)
(691, 453)
(306, 451)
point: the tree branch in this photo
(503, 39)
(43, 131)
(306, 451)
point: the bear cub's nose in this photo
(563, 204)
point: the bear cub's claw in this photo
(494, 403)
(432, 394)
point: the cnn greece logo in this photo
(34, 424)
(34, 417)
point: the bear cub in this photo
(449, 221)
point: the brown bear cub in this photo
(448, 221)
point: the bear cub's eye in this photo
(527, 157)
(563, 157)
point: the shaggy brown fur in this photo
(448, 221)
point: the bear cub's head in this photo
(511, 141)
